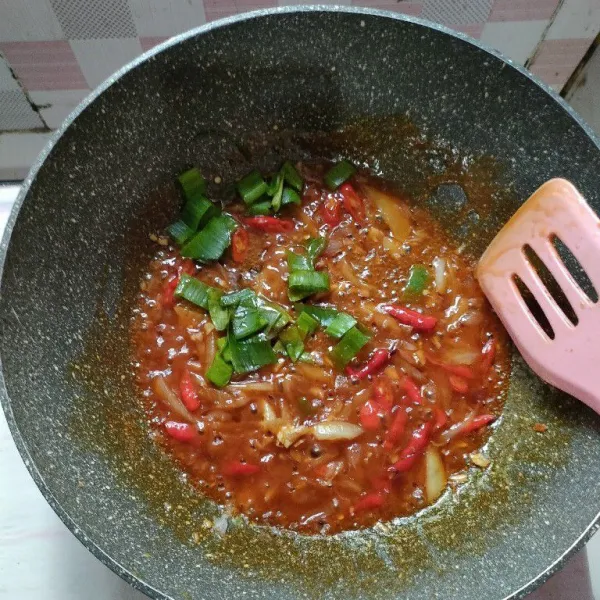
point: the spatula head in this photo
(560, 340)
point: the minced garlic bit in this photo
(153, 237)
(163, 241)
(479, 460)
(218, 180)
(540, 427)
(458, 478)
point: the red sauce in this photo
(253, 446)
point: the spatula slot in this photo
(553, 287)
(575, 268)
(534, 307)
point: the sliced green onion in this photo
(234, 298)
(348, 347)
(339, 173)
(210, 243)
(418, 279)
(297, 262)
(308, 358)
(279, 348)
(193, 183)
(292, 341)
(198, 211)
(248, 321)
(291, 175)
(252, 187)
(180, 232)
(193, 290)
(262, 208)
(221, 343)
(315, 247)
(219, 372)
(276, 202)
(322, 314)
(290, 196)
(340, 325)
(305, 283)
(250, 354)
(218, 315)
(306, 324)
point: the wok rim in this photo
(5, 401)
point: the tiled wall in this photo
(53, 52)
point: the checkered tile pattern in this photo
(53, 52)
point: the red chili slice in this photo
(168, 294)
(458, 384)
(440, 418)
(410, 317)
(240, 242)
(240, 469)
(477, 423)
(488, 354)
(182, 432)
(371, 501)
(414, 449)
(331, 211)
(353, 203)
(270, 224)
(189, 394)
(378, 359)
(412, 390)
(369, 416)
(396, 429)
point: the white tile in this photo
(56, 105)
(584, 95)
(100, 58)
(166, 17)
(7, 81)
(18, 151)
(515, 39)
(28, 20)
(576, 19)
(16, 113)
(593, 554)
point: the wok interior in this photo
(251, 94)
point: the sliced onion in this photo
(436, 478)
(439, 265)
(170, 398)
(395, 215)
(336, 430)
(462, 357)
(313, 373)
(289, 434)
(332, 470)
(268, 412)
(253, 386)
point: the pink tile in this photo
(408, 8)
(473, 29)
(149, 42)
(522, 10)
(556, 60)
(217, 9)
(44, 65)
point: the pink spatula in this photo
(570, 361)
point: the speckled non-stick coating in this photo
(69, 257)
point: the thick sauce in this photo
(421, 414)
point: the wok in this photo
(254, 89)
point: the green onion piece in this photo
(250, 354)
(306, 324)
(279, 348)
(305, 283)
(305, 406)
(263, 208)
(248, 321)
(339, 173)
(180, 232)
(252, 187)
(198, 211)
(276, 202)
(418, 279)
(291, 175)
(193, 290)
(321, 313)
(220, 371)
(210, 243)
(348, 347)
(292, 341)
(315, 247)
(297, 262)
(340, 325)
(234, 298)
(308, 358)
(221, 343)
(218, 315)
(193, 183)
(290, 196)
